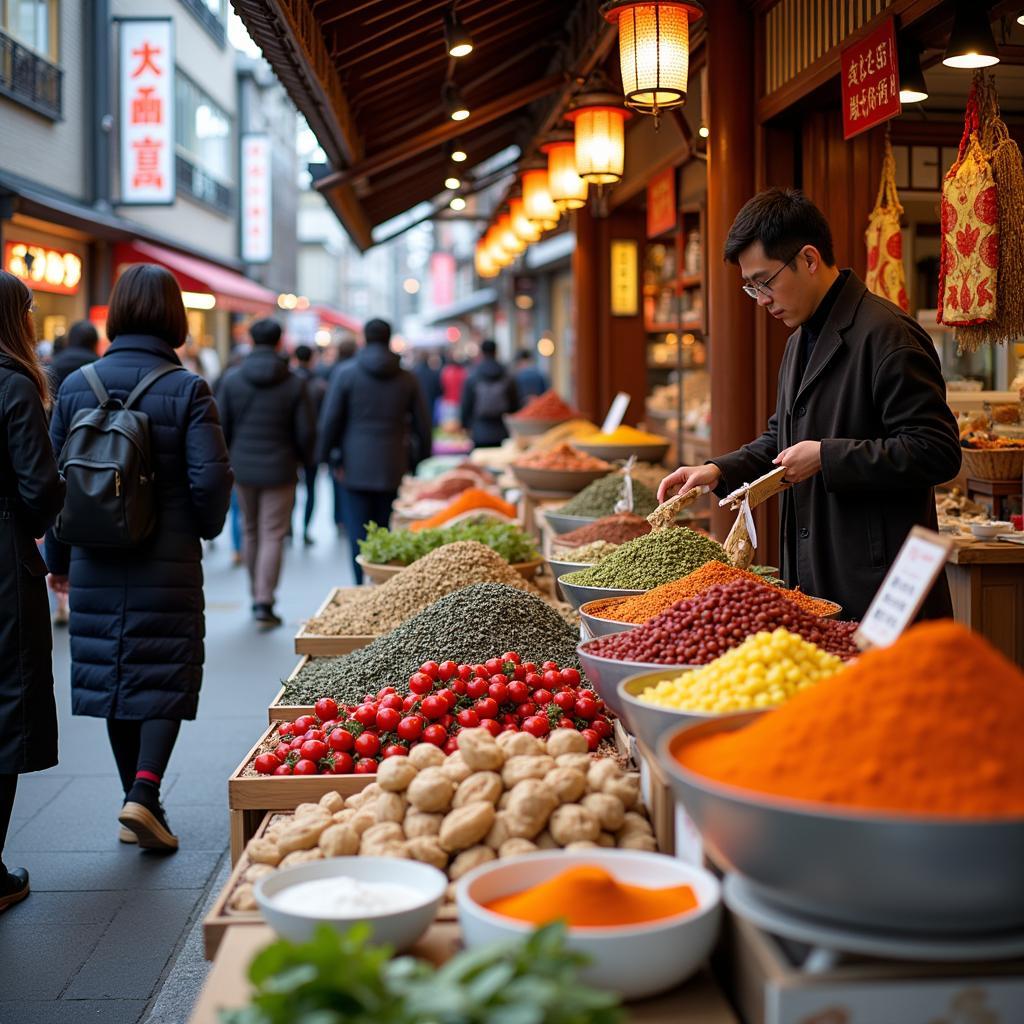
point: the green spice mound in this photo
(403, 547)
(599, 498)
(649, 561)
(475, 623)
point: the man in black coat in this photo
(316, 388)
(374, 427)
(488, 394)
(861, 425)
(79, 349)
(270, 428)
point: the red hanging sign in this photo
(661, 203)
(871, 81)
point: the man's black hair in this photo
(783, 220)
(489, 348)
(377, 332)
(303, 353)
(265, 332)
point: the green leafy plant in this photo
(341, 979)
(403, 547)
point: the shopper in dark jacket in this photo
(270, 428)
(31, 494)
(861, 424)
(316, 387)
(79, 349)
(488, 395)
(427, 370)
(530, 382)
(137, 619)
(374, 428)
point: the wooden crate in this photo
(661, 804)
(250, 798)
(278, 712)
(329, 646)
(770, 987)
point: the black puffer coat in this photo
(268, 419)
(31, 495)
(137, 621)
(489, 394)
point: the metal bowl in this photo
(606, 673)
(648, 722)
(653, 452)
(869, 869)
(560, 568)
(530, 428)
(557, 481)
(578, 595)
(565, 524)
(603, 627)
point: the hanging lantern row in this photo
(567, 189)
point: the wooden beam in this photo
(442, 133)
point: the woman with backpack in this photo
(489, 395)
(31, 494)
(136, 588)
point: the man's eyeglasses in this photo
(764, 287)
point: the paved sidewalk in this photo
(105, 923)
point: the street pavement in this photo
(106, 925)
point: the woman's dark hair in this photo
(147, 300)
(783, 220)
(18, 333)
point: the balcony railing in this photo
(199, 185)
(30, 79)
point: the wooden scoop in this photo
(667, 512)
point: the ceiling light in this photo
(452, 182)
(457, 110)
(703, 131)
(546, 347)
(411, 285)
(524, 302)
(456, 38)
(457, 203)
(456, 153)
(971, 43)
(913, 88)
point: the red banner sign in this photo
(871, 81)
(42, 269)
(661, 203)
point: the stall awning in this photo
(472, 303)
(233, 291)
(337, 319)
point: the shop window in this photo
(33, 23)
(212, 15)
(203, 136)
(28, 46)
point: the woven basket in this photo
(1007, 464)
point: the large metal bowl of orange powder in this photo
(897, 873)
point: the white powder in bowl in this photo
(345, 897)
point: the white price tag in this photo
(612, 422)
(749, 517)
(917, 566)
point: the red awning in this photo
(335, 319)
(233, 291)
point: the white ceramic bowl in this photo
(990, 529)
(400, 929)
(634, 961)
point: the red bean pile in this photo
(699, 629)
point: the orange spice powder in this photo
(467, 501)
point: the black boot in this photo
(14, 887)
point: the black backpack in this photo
(490, 398)
(107, 465)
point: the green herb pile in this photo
(403, 547)
(647, 562)
(467, 626)
(341, 979)
(599, 498)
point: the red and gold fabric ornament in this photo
(884, 239)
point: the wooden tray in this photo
(329, 646)
(278, 712)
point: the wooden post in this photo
(731, 182)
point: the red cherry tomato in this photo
(586, 708)
(565, 699)
(494, 727)
(365, 715)
(592, 738)
(509, 719)
(498, 677)
(542, 697)
(447, 669)
(494, 665)
(549, 666)
(510, 727)
(526, 709)
(282, 750)
(498, 691)
(266, 764)
(487, 707)
(518, 691)
(480, 670)
(328, 726)
(602, 727)
(570, 676)
(530, 666)
(326, 708)
(566, 723)
(433, 707)
(435, 734)
(451, 745)
(411, 727)
(552, 679)
(420, 683)
(341, 741)
(367, 744)
(394, 750)
(450, 697)
(520, 672)
(283, 769)
(446, 722)
(305, 767)
(511, 656)
(432, 669)
(410, 702)
(458, 687)
(477, 687)
(313, 749)
(534, 679)
(386, 691)
(296, 743)
(393, 701)
(387, 719)
(468, 718)
(286, 729)
(304, 722)
(465, 673)
(316, 734)
(366, 766)
(536, 725)
(343, 764)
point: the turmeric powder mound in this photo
(931, 725)
(588, 896)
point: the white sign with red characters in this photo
(147, 111)
(256, 199)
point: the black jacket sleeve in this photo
(332, 418)
(468, 392)
(210, 478)
(40, 490)
(304, 425)
(749, 462)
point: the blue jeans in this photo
(359, 508)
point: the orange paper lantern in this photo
(524, 228)
(537, 202)
(568, 190)
(599, 120)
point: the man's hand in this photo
(685, 478)
(801, 460)
(59, 584)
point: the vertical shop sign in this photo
(661, 203)
(871, 81)
(147, 111)
(442, 279)
(256, 198)
(625, 280)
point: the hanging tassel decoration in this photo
(884, 238)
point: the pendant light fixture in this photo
(971, 43)
(654, 50)
(537, 202)
(913, 88)
(452, 182)
(458, 204)
(484, 261)
(456, 153)
(453, 102)
(568, 190)
(457, 40)
(599, 119)
(509, 240)
(526, 230)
